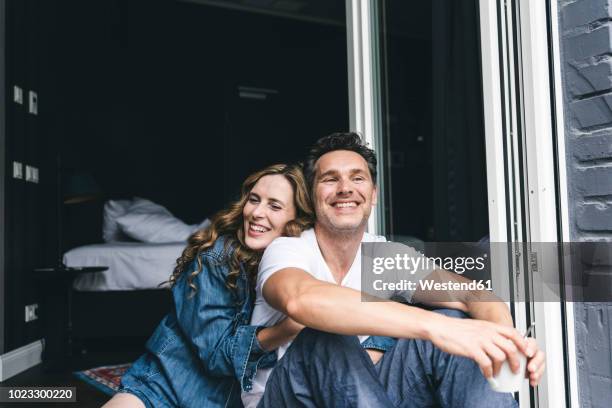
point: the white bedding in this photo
(131, 265)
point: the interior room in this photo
(169, 103)
(185, 100)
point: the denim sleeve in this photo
(212, 322)
(381, 343)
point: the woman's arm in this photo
(225, 342)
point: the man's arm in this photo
(479, 304)
(337, 309)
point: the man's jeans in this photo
(329, 370)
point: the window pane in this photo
(434, 129)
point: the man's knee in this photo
(312, 343)
(312, 338)
(411, 348)
(307, 336)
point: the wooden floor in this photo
(86, 395)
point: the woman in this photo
(204, 351)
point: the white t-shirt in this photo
(302, 252)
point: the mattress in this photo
(131, 265)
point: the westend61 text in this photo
(424, 284)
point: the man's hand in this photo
(501, 342)
(488, 344)
(536, 362)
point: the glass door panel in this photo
(433, 126)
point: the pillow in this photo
(203, 225)
(114, 209)
(149, 222)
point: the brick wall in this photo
(586, 65)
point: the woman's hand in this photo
(270, 338)
(290, 327)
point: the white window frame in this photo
(365, 112)
(539, 171)
(572, 375)
(540, 151)
(503, 169)
(497, 118)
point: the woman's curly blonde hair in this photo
(230, 223)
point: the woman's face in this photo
(269, 207)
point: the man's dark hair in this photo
(338, 141)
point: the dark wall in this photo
(150, 100)
(29, 209)
(3, 161)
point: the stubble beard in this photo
(342, 231)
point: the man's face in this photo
(344, 191)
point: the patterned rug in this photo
(105, 379)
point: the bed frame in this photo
(117, 320)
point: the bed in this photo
(120, 307)
(131, 265)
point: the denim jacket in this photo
(205, 349)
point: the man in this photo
(440, 359)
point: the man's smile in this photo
(345, 207)
(345, 204)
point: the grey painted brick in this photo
(598, 318)
(600, 392)
(594, 181)
(595, 111)
(590, 44)
(587, 79)
(595, 256)
(593, 147)
(593, 217)
(579, 85)
(596, 286)
(584, 12)
(584, 75)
